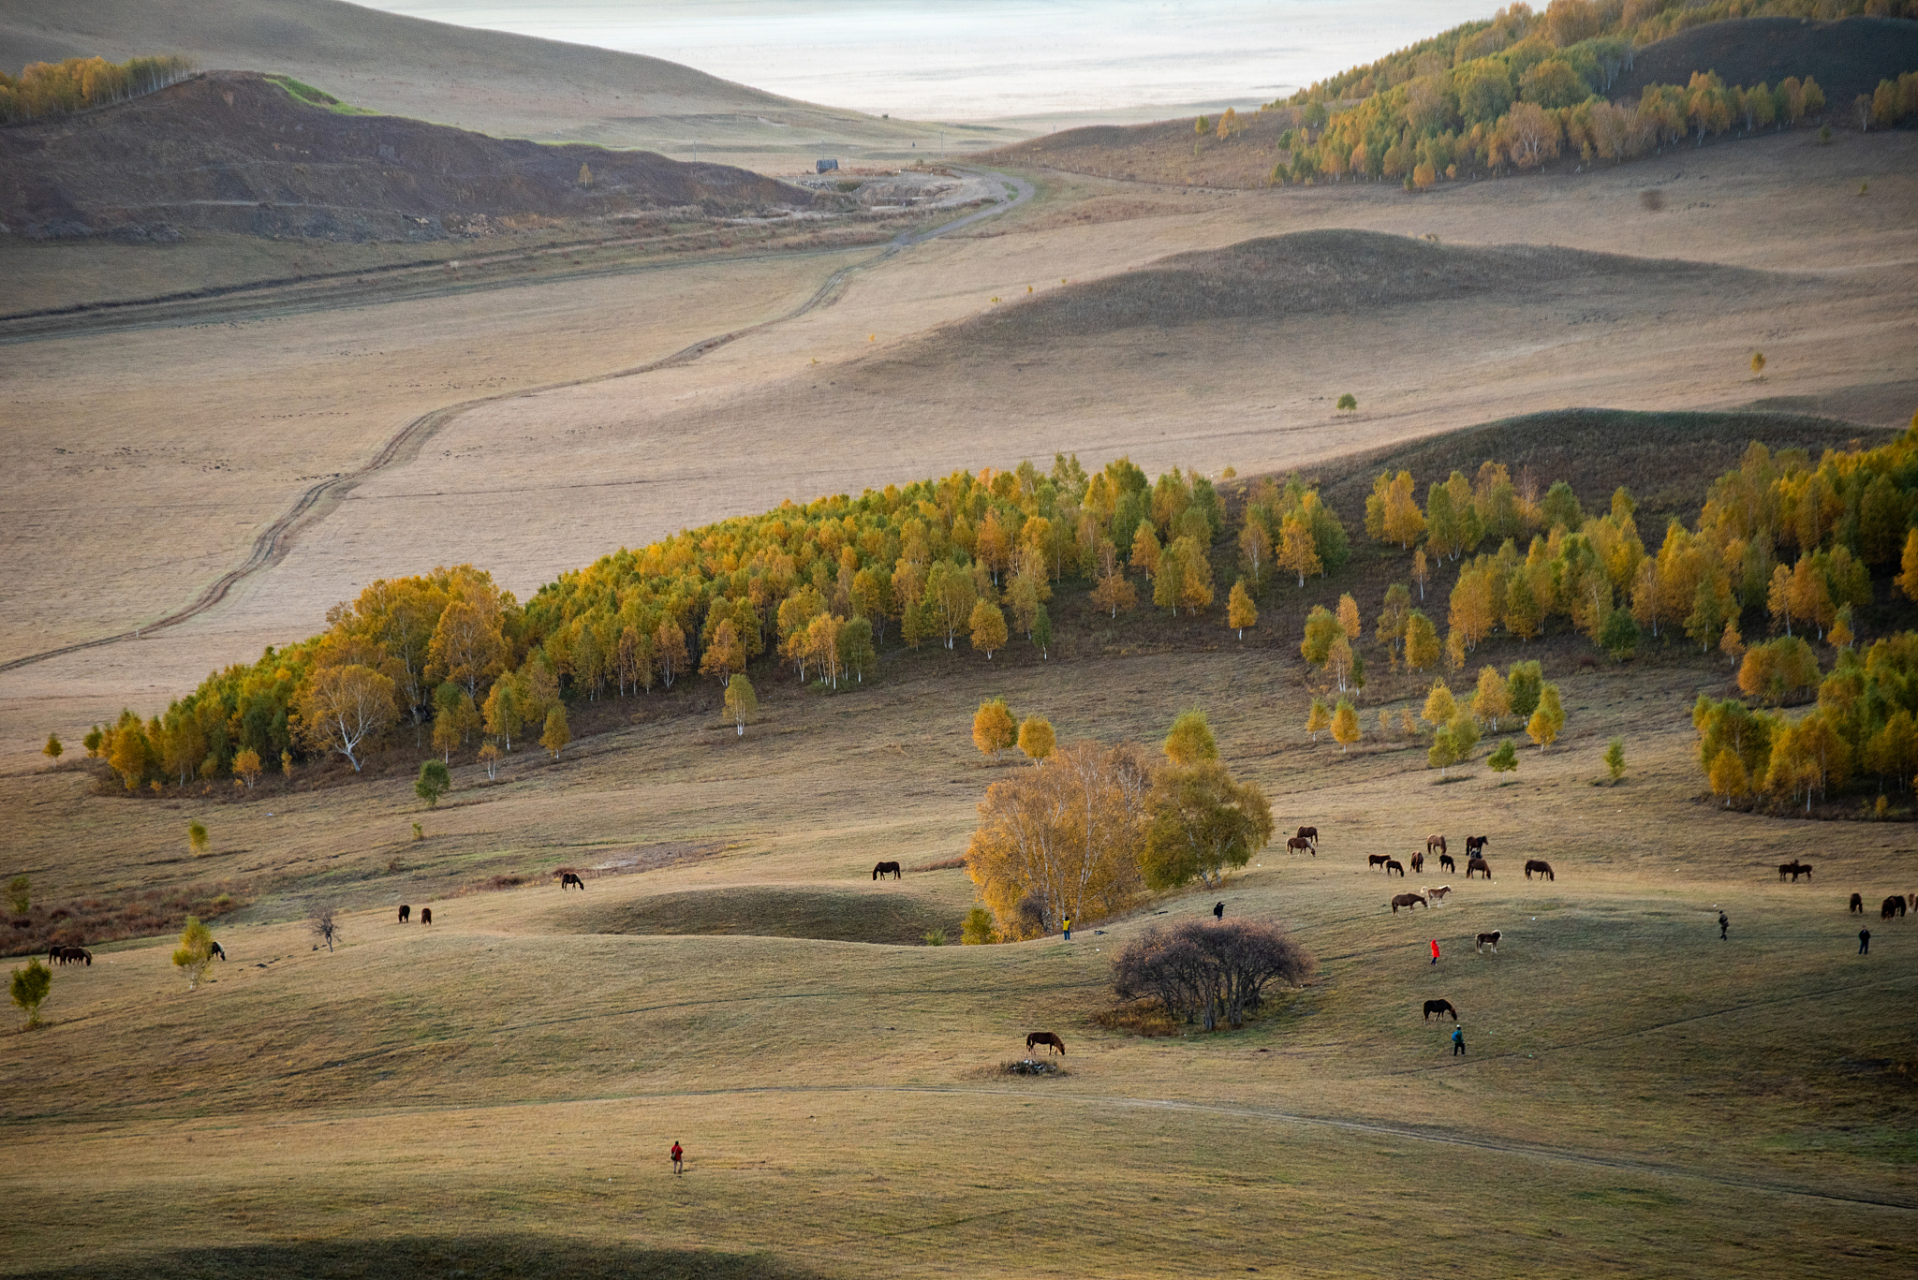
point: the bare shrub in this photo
(1210, 971)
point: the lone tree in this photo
(1036, 739)
(1758, 364)
(53, 750)
(1505, 759)
(195, 951)
(434, 781)
(741, 701)
(1546, 722)
(323, 923)
(19, 895)
(1345, 724)
(1348, 403)
(1210, 972)
(30, 988)
(1190, 742)
(196, 837)
(993, 728)
(1203, 823)
(558, 733)
(1615, 758)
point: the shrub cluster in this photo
(1210, 972)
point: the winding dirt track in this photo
(322, 499)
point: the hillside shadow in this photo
(884, 914)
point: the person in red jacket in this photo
(1435, 951)
(679, 1157)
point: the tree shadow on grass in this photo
(434, 1258)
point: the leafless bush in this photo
(1210, 971)
(324, 923)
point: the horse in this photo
(1046, 1038)
(1299, 844)
(569, 877)
(1441, 1008)
(215, 949)
(76, 955)
(1475, 845)
(882, 869)
(1377, 860)
(1418, 862)
(1477, 864)
(1857, 904)
(1543, 868)
(1393, 864)
(1435, 842)
(1489, 940)
(426, 915)
(1309, 833)
(1893, 906)
(406, 913)
(1408, 901)
(1588, 663)
(1446, 863)
(1433, 896)
(1794, 869)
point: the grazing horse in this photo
(1794, 869)
(426, 915)
(1299, 844)
(1489, 940)
(406, 913)
(1893, 906)
(1435, 896)
(1857, 904)
(882, 869)
(1046, 1038)
(1475, 845)
(215, 949)
(1309, 833)
(1446, 863)
(1393, 864)
(1435, 842)
(1543, 868)
(1377, 860)
(74, 955)
(1441, 1008)
(1408, 901)
(569, 877)
(1418, 862)
(1477, 864)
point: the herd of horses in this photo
(1893, 906)
(426, 913)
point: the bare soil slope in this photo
(1847, 58)
(235, 151)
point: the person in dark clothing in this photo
(1218, 911)
(679, 1157)
(1864, 942)
(1458, 1041)
(1724, 925)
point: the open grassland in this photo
(1637, 1094)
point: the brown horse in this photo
(76, 955)
(1408, 901)
(1441, 1008)
(1377, 860)
(1477, 864)
(1393, 864)
(1858, 904)
(1475, 845)
(1299, 844)
(1543, 868)
(1893, 906)
(406, 913)
(886, 869)
(1418, 862)
(1434, 896)
(1588, 663)
(570, 878)
(215, 949)
(1309, 833)
(1794, 869)
(426, 915)
(1046, 1038)
(1435, 842)
(1446, 863)
(1489, 940)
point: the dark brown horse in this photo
(1435, 842)
(1309, 833)
(1046, 1038)
(406, 913)
(426, 915)
(1794, 869)
(1540, 866)
(1446, 863)
(570, 878)
(1376, 860)
(1477, 864)
(1475, 845)
(1408, 901)
(216, 950)
(1858, 904)
(1299, 844)
(1441, 1008)
(1892, 906)
(1393, 864)
(1489, 940)
(882, 869)
(1418, 862)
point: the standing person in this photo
(1435, 951)
(1864, 942)
(679, 1157)
(1458, 1040)
(1068, 928)
(1724, 925)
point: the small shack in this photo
(826, 166)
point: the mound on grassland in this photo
(1846, 58)
(1319, 271)
(235, 151)
(877, 913)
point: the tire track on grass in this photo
(319, 501)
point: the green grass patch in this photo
(303, 92)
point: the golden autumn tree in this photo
(1240, 611)
(741, 702)
(467, 646)
(342, 707)
(1348, 615)
(1493, 698)
(1345, 724)
(1190, 739)
(725, 654)
(1298, 550)
(993, 728)
(1318, 719)
(1036, 740)
(988, 626)
(557, 732)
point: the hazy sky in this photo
(976, 59)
